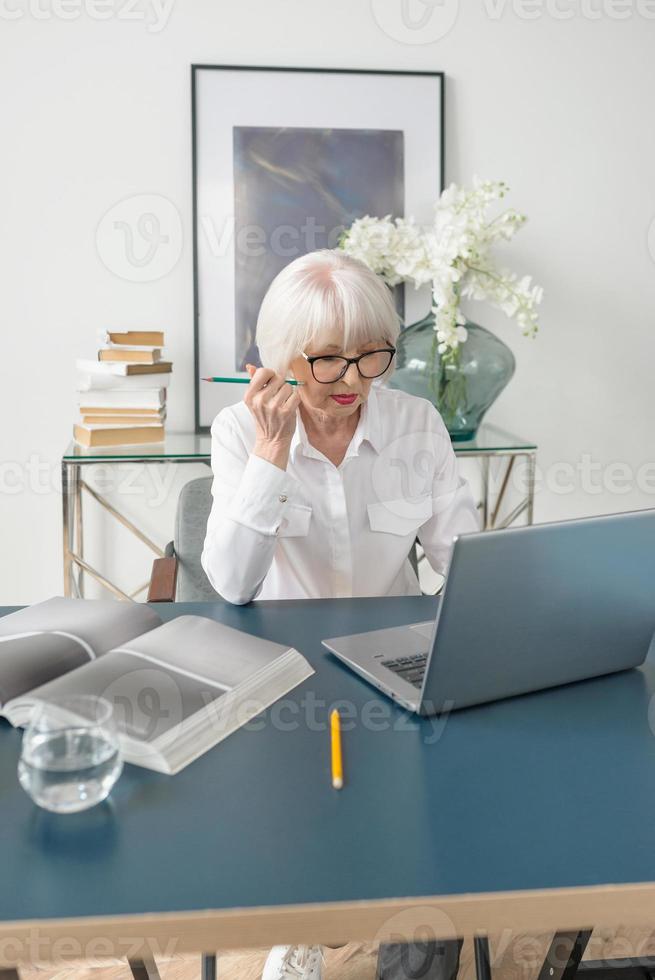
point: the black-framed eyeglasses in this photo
(328, 368)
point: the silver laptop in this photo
(522, 609)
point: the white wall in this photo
(95, 111)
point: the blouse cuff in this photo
(261, 498)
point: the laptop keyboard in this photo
(411, 669)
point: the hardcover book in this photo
(178, 688)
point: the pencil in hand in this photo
(250, 368)
(246, 381)
(337, 759)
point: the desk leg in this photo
(208, 969)
(642, 968)
(564, 955)
(482, 963)
(564, 960)
(144, 969)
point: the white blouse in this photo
(316, 530)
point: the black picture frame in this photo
(196, 70)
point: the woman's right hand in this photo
(272, 403)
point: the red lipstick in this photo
(344, 399)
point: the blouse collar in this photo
(368, 428)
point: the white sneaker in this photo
(294, 962)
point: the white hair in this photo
(316, 293)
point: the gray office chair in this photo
(179, 576)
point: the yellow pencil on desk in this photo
(337, 760)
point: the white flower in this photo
(454, 255)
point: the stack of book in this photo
(122, 394)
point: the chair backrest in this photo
(193, 508)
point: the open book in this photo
(178, 688)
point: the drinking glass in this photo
(70, 755)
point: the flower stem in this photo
(492, 275)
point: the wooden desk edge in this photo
(491, 913)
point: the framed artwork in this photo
(285, 159)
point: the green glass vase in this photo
(464, 385)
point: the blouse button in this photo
(282, 498)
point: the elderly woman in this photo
(321, 488)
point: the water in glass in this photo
(70, 756)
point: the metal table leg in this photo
(67, 526)
(79, 532)
(485, 493)
(564, 955)
(208, 966)
(633, 968)
(144, 969)
(491, 514)
(501, 492)
(482, 961)
(564, 961)
(75, 566)
(532, 468)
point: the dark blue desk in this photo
(532, 814)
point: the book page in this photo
(47, 639)
(96, 624)
(206, 649)
(148, 699)
(28, 661)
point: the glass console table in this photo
(490, 445)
